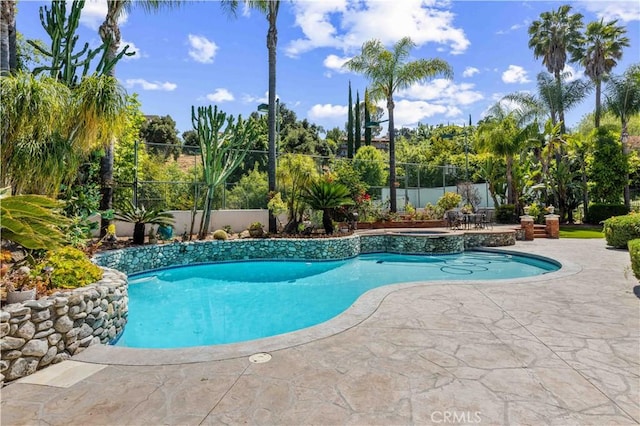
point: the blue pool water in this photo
(236, 301)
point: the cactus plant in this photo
(66, 61)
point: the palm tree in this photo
(140, 217)
(598, 52)
(499, 134)
(389, 71)
(544, 105)
(110, 34)
(623, 100)
(327, 196)
(270, 9)
(550, 38)
(8, 47)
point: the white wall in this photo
(238, 220)
(420, 197)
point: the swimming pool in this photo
(229, 302)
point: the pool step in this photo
(539, 231)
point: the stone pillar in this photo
(552, 222)
(526, 223)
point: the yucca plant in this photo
(31, 221)
(140, 216)
(327, 196)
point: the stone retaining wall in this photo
(157, 256)
(145, 258)
(489, 239)
(49, 330)
(412, 244)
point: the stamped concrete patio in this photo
(563, 348)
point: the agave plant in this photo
(31, 221)
(327, 196)
(140, 216)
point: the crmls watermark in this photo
(453, 417)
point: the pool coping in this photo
(365, 306)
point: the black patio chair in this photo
(454, 219)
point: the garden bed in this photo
(402, 224)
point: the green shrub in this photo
(619, 230)
(220, 235)
(71, 268)
(450, 200)
(634, 252)
(506, 213)
(599, 212)
(609, 168)
(432, 212)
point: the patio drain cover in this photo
(260, 358)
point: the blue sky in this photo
(198, 55)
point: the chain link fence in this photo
(416, 183)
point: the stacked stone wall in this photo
(37, 333)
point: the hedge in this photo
(619, 230)
(634, 252)
(600, 212)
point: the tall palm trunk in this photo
(8, 60)
(563, 128)
(598, 103)
(110, 34)
(4, 43)
(392, 157)
(510, 191)
(272, 43)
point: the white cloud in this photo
(347, 25)
(407, 113)
(470, 71)
(514, 27)
(574, 75)
(250, 99)
(220, 95)
(150, 85)
(515, 74)
(327, 111)
(335, 63)
(623, 11)
(443, 91)
(202, 50)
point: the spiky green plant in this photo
(31, 221)
(140, 216)
(327, 196)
